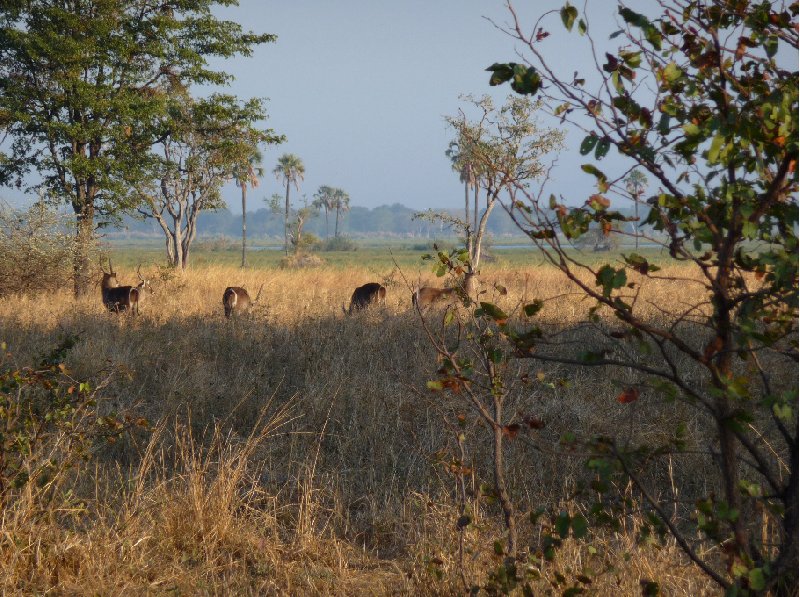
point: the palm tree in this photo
(462, 163)
(247, 175)
(324, 198)
(341, 202)
(290, 170)
(635, 185)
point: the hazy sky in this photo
(360, 89)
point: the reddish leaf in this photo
(534, 422)
(628, 395)
(511, 431)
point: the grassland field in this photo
(296, 450)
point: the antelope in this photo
(427, 296)
(109, 282)
(118, 298)
(364, 296)
(237, 301)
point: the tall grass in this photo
(296, 450)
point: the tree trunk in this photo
(286, 221)
(84, 231)
(177, 243)
(480, 232)
(336, 230)
(244, 225)
(475, 211)
(506, 504)
(468, 227)
(636, 214)
(327, 229)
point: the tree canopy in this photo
(697, 97)
(85, 86)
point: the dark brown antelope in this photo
(364, 296)
(427, 296)
(237, 301)
(120, 299)
(109, 281)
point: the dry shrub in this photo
(36, 250)
(301, 261)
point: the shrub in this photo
(300, 260)
(36, 250)
(339, 243)
(50, 422)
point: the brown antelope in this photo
(109, 281)
(118, 298)
(237, 301)
(427, 296)
(364, 296)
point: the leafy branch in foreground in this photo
(697, 98)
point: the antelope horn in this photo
(110, 267)
(139, 267)
(259, 293)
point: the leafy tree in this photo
(325, 199)
(204, 145)
(290, 170)
(504, 148)
(462, 163)
(84, 87)
(635, 184)
(697, 97)
(301, 216)
(341, 203)
(247, 174)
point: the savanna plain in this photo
(298, 450)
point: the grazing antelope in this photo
(118, 298)
(237, 301)
(364, 296)
(427, 296)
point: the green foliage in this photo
(49, 422)
(718, 133)
(338, 243)
(207, 143)
(86, 87)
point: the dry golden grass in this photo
(296, 450)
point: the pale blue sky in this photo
(360, 89)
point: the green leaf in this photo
(568, 15)
(533, 308)
(588, 143)
(671, 73)
(602, 148)
(500, 73)
(495, 312)
(562, 525)
(632, 59)
(771, 45)
(498, 548)
(582, 27)
(435, 386)
(756, 579)
(526, 81)
(713, 151)
(580, 526)
(634, 18)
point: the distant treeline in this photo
(386, 220)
